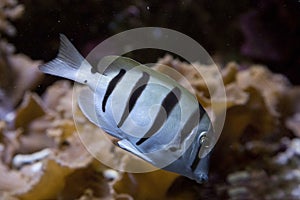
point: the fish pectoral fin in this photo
(87, 106)
(128, 146)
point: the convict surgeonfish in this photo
(153, 116)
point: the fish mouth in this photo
(201, 178)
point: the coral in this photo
(254, 137)
(44, 145)
(17, 71)
(278, 177)
(9, 10)
(42, 156)
(48, 150)
(249, 92)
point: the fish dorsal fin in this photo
(87, 106)
(112, 63)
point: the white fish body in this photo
(153, 116)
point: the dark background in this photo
(259, 31)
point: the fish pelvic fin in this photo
(67, 63)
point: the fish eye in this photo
(204, 141)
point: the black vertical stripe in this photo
(196, 159)
(111, 86)
(171, 100)
(202, 111)
(191, 123)
(138, 89)
(167, 104)
(136, 92)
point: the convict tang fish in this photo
(153, 116)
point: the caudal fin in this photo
(67, 62)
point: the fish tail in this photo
(67, 62)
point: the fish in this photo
(150, 114)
